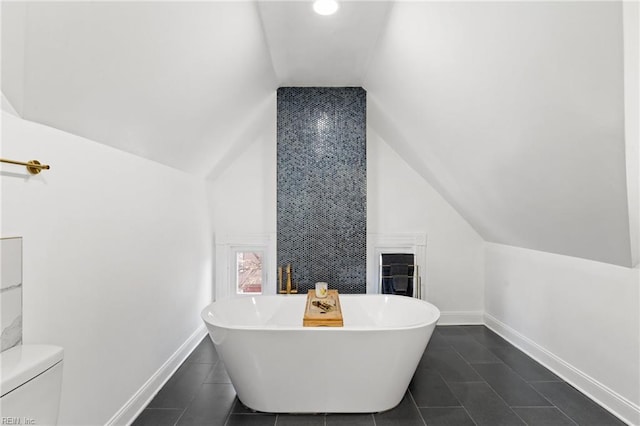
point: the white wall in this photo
(242, 192)
(241, 189)
(7, 107)
(243, 196)
(13, 17)
(517, 109)
(117, 262)
(401, 201)
(168, 81)
(579, 317)
(631, 26)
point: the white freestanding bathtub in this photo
(276, 365)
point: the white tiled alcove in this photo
(11, 292)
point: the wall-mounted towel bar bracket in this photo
(34, 166)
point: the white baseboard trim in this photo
(134, 406)
(461, 318)
(618, 405)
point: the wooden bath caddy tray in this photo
(316, 316)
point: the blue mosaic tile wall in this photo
(322, 186)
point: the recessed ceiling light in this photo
(325, 7)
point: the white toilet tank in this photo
(31, 380)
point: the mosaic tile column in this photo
(322, 186)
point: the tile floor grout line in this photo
(489, 384)
(465, 360)
(195, 395)
(440, 406)
(566, 414)
(482, 343)
(416, 406)
(449, 387)
(523, 420)
(511, 369)
(527, 383)
(162, 408)
(562, 412)
(505, 402)
(517, 373)
(500, 361)
(233, 406)
(510, 408)
(533, 406)
(184, 410)
(461, 404)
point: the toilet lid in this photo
(22, 363)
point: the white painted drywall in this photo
(117, 261)
(13, 16)
(399, 201)
(241, 192)
(585, 313)
(631, 23)
(168, 81)
(517, 109)
(312, 50)
(7, 107)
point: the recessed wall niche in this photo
(10, 292)
(322, 186)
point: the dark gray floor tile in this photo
(576, 405)
(438, 341)
(158, 417)
(349, 420)
(200, 391)
(543, 416)
(470, 329)
(205, 352)
(483, 405)
(429, 389)
(404, 414)
(210, 406)
(485, 336)
(251, 420)
(182, 386)
(451, 330)
(240, 408)
(471, 350)
(446, 416)
(451, 366)
(218, 374)
(300, 420)
(525, 366)
(511, 387)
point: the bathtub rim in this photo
(300, 327)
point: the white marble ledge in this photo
(11, 318)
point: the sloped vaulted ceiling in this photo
(173, 82)
(514, 111)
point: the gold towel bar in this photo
(34, 167)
